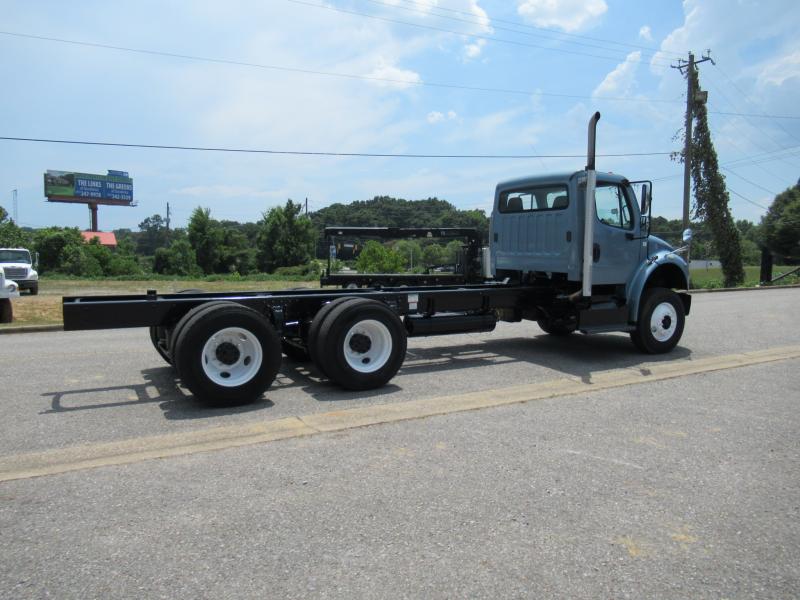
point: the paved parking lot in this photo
(682, 487)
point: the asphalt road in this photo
(680, 488)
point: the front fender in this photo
(663, 269)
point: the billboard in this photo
(116, 186)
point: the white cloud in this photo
(645, 33)
(474, 50)
(435, 117)
(395, 76)
(569, 15)
(777, 72)
(622, 79)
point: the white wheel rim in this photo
(663, 322)
(367, 346)
(231, 357)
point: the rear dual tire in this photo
(358, 343)
(226, 354)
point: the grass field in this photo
(712, 278)
(45, 309)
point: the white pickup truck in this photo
(8, 290)
(20, 267)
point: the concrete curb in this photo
(745, 289)
(31, 328)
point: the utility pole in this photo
(14, 207)
(688, 67)
(167, 217)
(306, 206)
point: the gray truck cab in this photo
(537, 227)
(538, 235)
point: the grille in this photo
(15, 272)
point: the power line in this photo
(747, 99)
(754, 184)
(617, 58)
(747, 199)
(454, 86)
(238, 63)
(319, 153)
(493, 25)
(544, 29)
(763, 157)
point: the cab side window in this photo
(541, 198)
(613, 206)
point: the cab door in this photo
(616, 235)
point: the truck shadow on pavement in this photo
(160, 385)
(574, 356)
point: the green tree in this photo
(178, 259)
(433, 255)
(781, 225)
(711, 196)
(411, 252)
(11, 235)
(286, 238)
(377, 258)
(205, 237)
(236, 254)
(57, 246)
(154, 234)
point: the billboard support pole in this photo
(93, 208)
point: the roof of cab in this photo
(552, 178)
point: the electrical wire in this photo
(746, 199)
(433, 84)
(487, 38)
(319, 153)
(754, 184)
(493, 25)
(543, 29)
(327, 73)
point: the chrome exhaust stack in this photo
(588, 212)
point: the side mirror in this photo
(645, 198)
(687, 236)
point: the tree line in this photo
(285, 240)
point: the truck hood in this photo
(657, 244)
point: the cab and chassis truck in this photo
(571, 251)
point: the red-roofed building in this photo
(107, 238)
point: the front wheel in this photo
(34, 289)
(227, 354)
(660, 323)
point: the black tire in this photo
(660, 324)
(295, 351)
(34, 289)
(316, 324)
(162, 337)
(558, 326)
(362, 344)
(227, 354)
(6, 311)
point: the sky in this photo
(432, 77)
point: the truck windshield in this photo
(15, 256)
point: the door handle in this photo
(596, 253)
